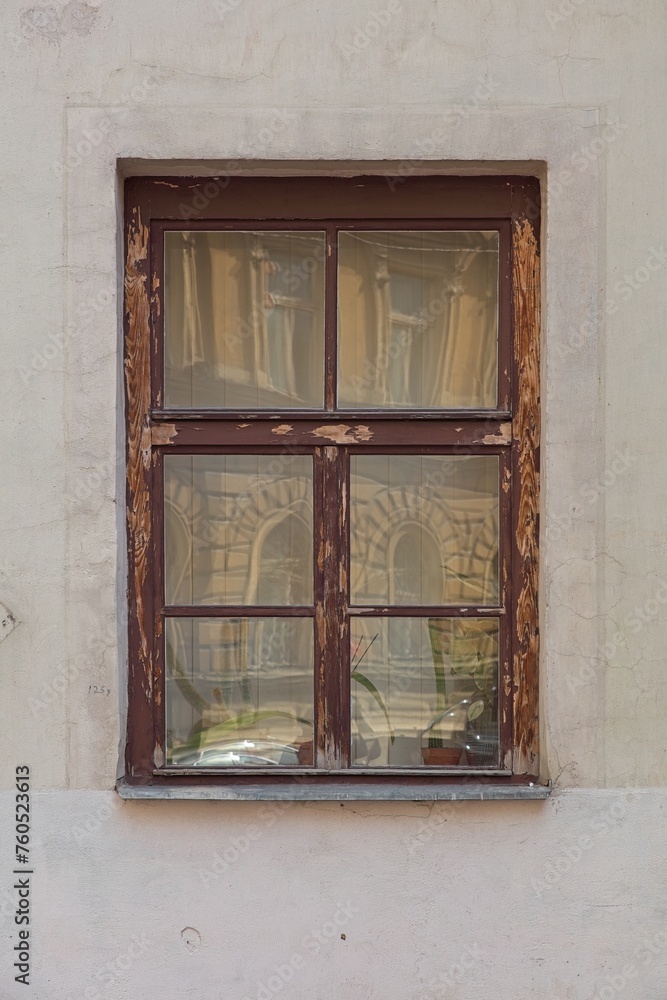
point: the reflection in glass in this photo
(239, 691)
(423, 529)
(238, 529)
(424, 692)
(244, 319)
(418, 319)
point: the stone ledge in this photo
(322, 792)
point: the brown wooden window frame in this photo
(511, 431)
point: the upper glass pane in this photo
(424, 529)
(244, 320)
(238, 529)
(418, 320)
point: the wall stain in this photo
(50, 23)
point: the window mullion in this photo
(328, 554)
(331, 320)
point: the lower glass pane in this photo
(239, 691)
(424, 692)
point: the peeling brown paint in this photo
(157, 671)
(343, 433)
(526, 434)
(503, 437)
(163, 434)
(282, 429)
(155, 294)
(137, 378)
(506, 481)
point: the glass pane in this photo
(424, 529)
(418, 320)
(424, 692)
(239, 691)
(238, 529)
(244, 319)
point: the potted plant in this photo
(470, 648)
(474, 655)
(440, 749)
(217, 721)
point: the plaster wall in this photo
(551, 899)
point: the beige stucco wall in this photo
(550, 899)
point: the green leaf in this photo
(370, 687)
(485, 673)
(475, 710)
(215, 733)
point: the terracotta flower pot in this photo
(305, 753)
(441, 756)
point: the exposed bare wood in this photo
(162, 434)
(526, 433)
(503, 435)
(137, 378)
(342, 433)
(137, 381)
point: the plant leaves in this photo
(475, 710)
(370, 687)
(213, 735)
(485, 673)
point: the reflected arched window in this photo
(282, 553)
(415, 576)
(416, 572)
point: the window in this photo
(333, 468)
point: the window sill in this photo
(323, 792)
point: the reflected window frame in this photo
(331, 434)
